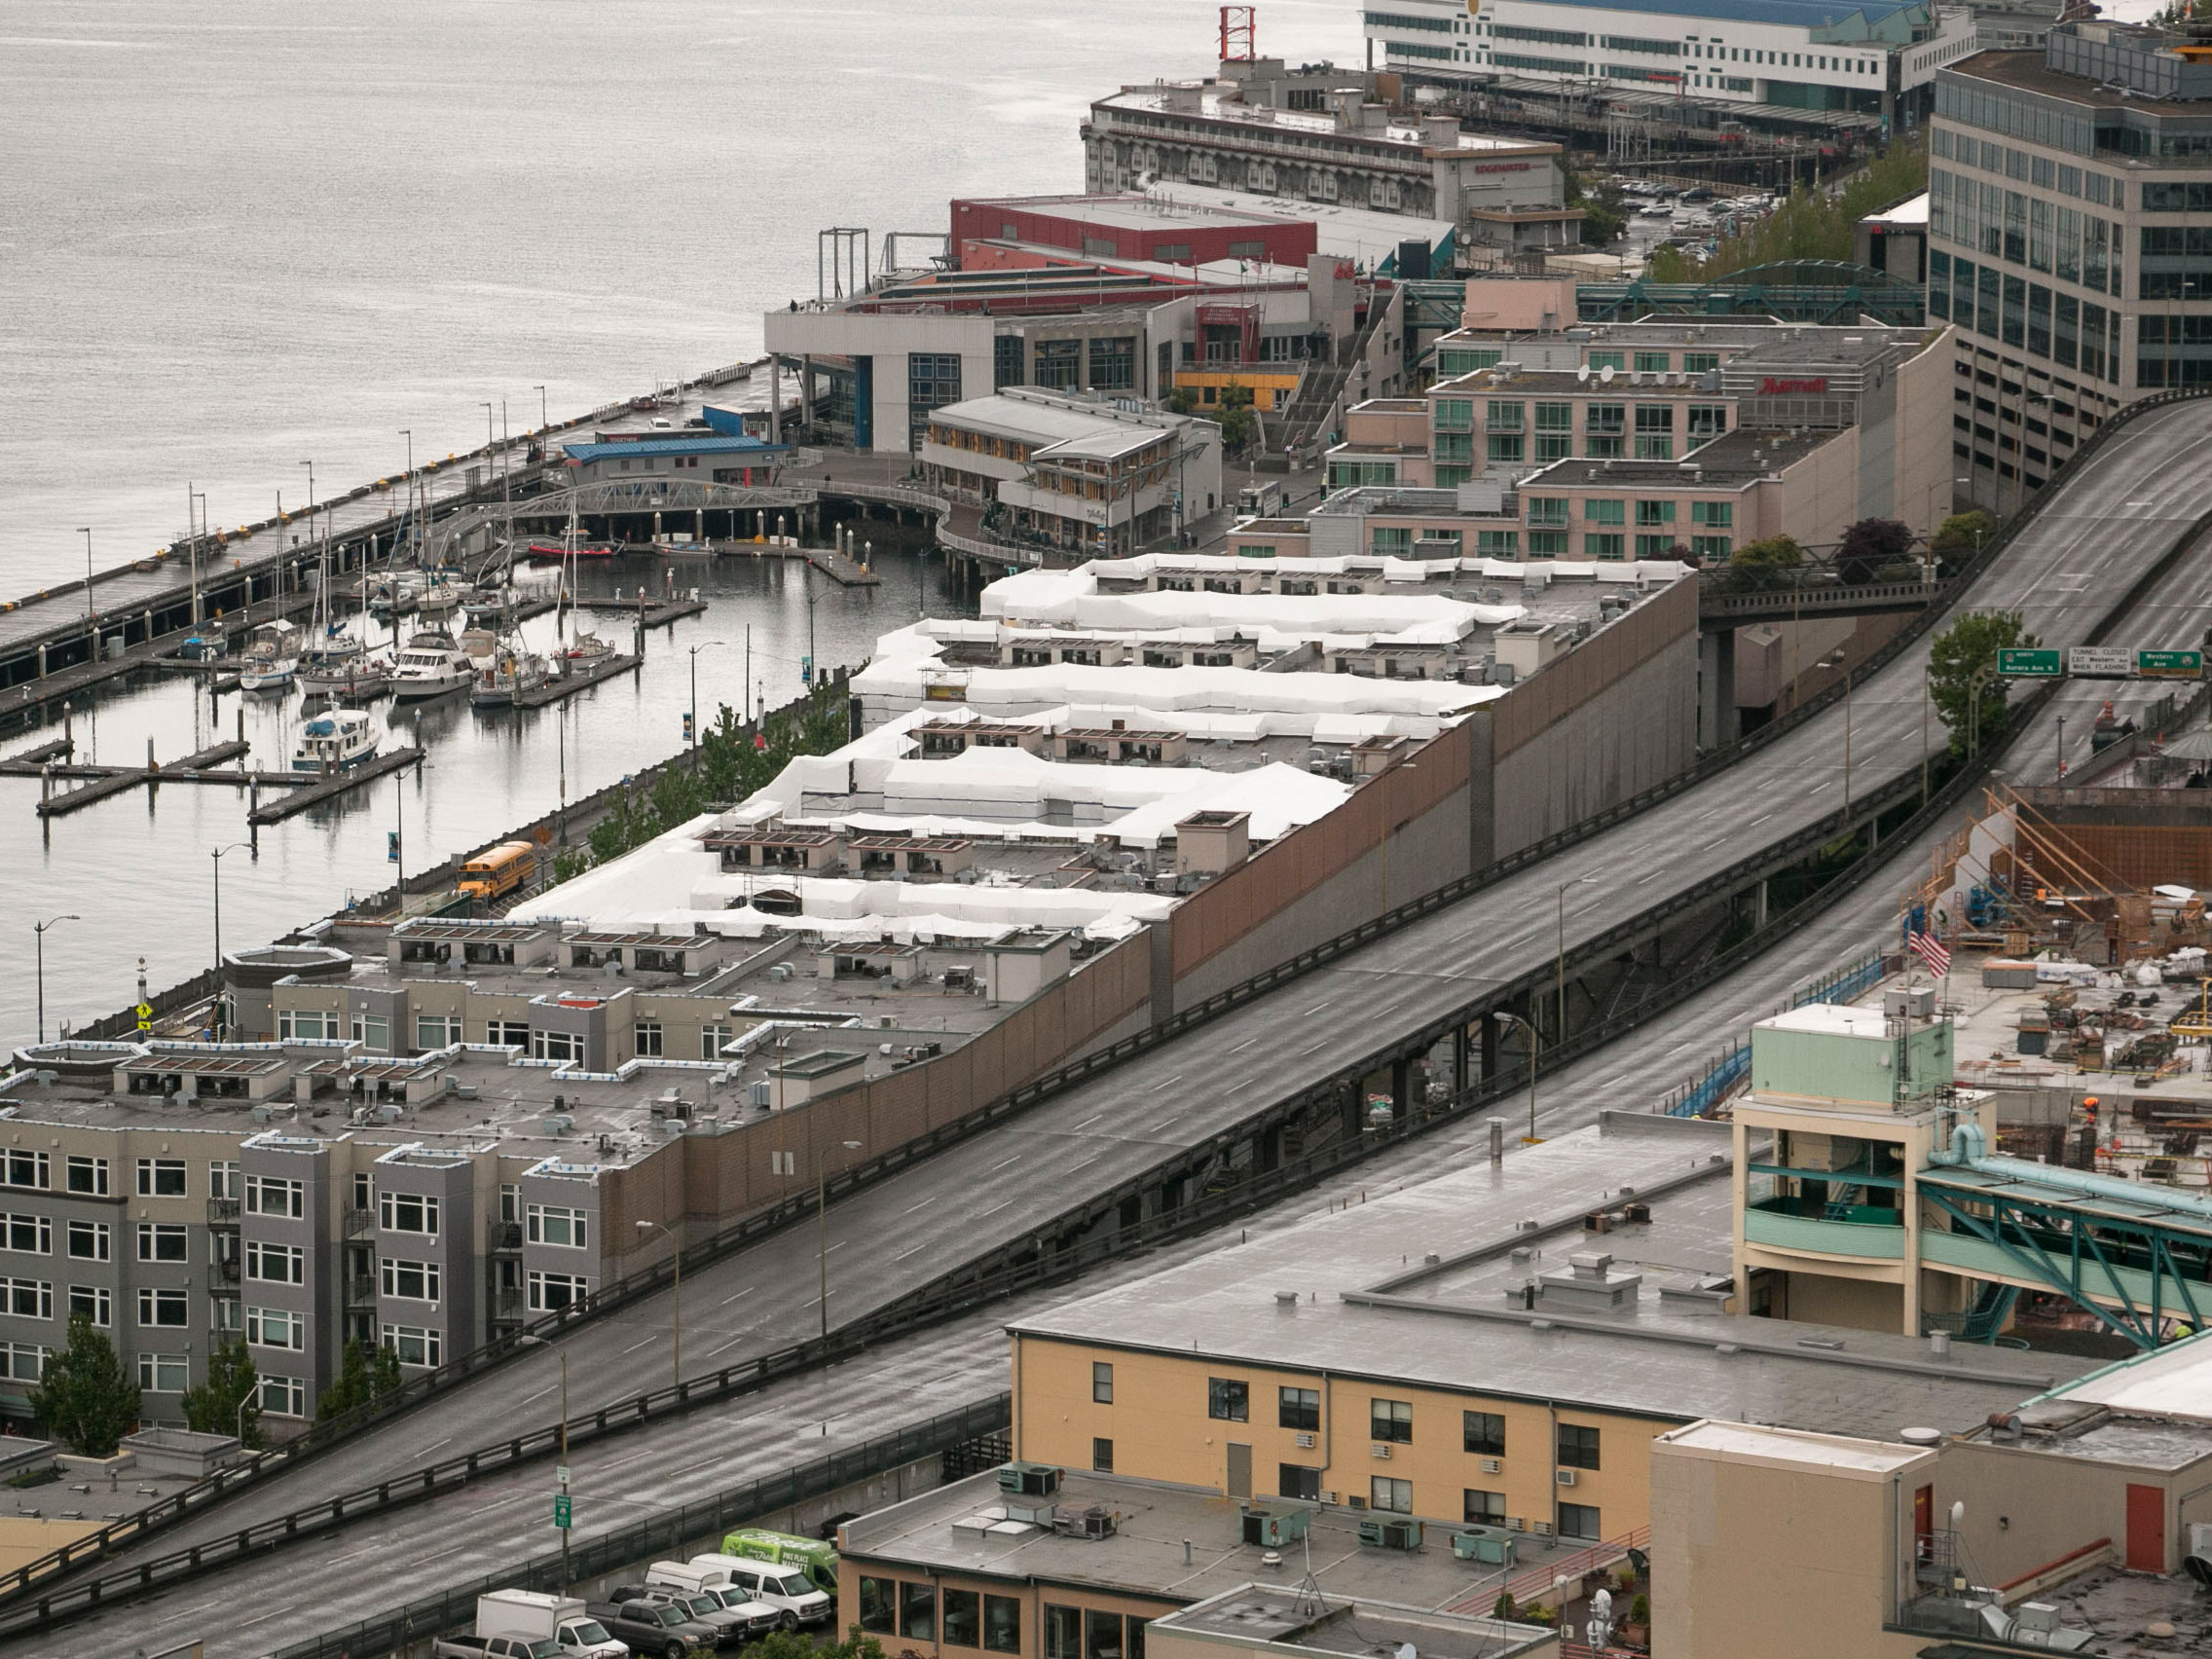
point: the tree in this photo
(1767, 563)
(365, 1376)
(1961, 536)
(1669, 264)
(1963, 654)
(213, 1406)
(790, 1644)
(1813, 224)
(84, 1397)
(1868, 546)
(1503, 1607)
(1603, 215)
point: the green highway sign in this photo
(561, 1509)
(2030, 664)
(2170, 665)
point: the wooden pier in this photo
(304, 790)
(653, 613)
(581, 676)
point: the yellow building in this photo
(1433, 1354)
(1271, 390)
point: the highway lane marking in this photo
(932, 1199)
(993, 1210)
(1817, 788)
(1714, 842)
(1318, 1048)
(1760, 819)
(635, 1346)
(996, 1167)
(1158, 1086)
(747, 1291)
(1242, 1047)
(1084, 1124)
(540, 1395)
(1647, 880)
(915, 1251)
(634, 1457)
(834, 1248)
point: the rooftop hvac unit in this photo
(1272, 1529)
(1494, 1546)
(1030, 1480)
(1565, 1477)
(1390, 1534)
(559, 1125)
(760, 1091)
(779, 973)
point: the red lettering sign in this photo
(1501, 166)
(1772, 388)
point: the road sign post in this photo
(2024, 664)
(561, 1509)
(2170, 665)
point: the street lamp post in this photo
(675, 1342)
(1535, 1045)
(39, 928)
(217, 856)
(545, 421)
(2062, 749)
(694, 732)
(821, 1225)
(90, 615)
(1973, 707)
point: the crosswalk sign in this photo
(145, 1014)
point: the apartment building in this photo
(2068, 190)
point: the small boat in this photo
(511, 674)
(489, 607)
(362, 680)
(335, 741)
(205, 647)
(394, 595)
(439, 599)
(272, 658)
(430, 666)
(547, 553)
(480, 646)
(587, 648)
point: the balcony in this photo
(361, 1291)
(506, 1302)
(227, 1269)
(222, 1212)
(360, 1223)
(502, 1238)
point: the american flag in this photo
(1931, 950)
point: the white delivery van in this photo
(560, 1619)
(787, 1589)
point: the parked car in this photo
(495, 1647)
(787, 1589)
(730, 1628)
(655, 1628)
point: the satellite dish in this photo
(1605, 374)
(1582, 373)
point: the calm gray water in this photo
(240, 234)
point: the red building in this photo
(1130, 228)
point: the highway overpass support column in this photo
(1718, 719)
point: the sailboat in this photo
(576, 645)
(272, 659)
(331, 656)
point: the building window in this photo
(223, 1315)
(1607, 360)
(917, 1611)
(22, 1363)
(1654, 431)
(268, 1195)
(647, 1035)
(1101, 1635)
(1547, 543)
(222, 1180)
(1604, 512)
(412, 1281)
(26, 1170)
(1297, 1408)
(311, 1024)
(27, 1299)
(96, 1301)
(507, 1033)
(1063, 1632)
(88, 1241)
(1547, 512)
(879, 1606)
(1484, 1508)
(1607, 544)
(436, 1030)
(275, 1264)
(87, 1175)
(1385, 1491)
(1653, 362)
(1708, 420)
(162, 1308)
(1714, 515)
(1580, 1521)
(30, 1234)
(164, 1241)
(1059, 364)
(710, 1041)
(557, 1223)
(1652, 513)
(1296, 1480)
(408, 1212)
(1101, 1383)
(1229, 1399)
(1505, 449)
(549, 1293)
(1102, 1456)
(1454, 414)
(1461, 360)
(1002, 1624)
(1711, 549)
(1504, 417)
(1577, 1446)
(1113, 368)
(414, 1345)
(566, 1046)
(1700, 363)
(283, 1396)
(1497, 544)
(364, 1190)
(372, 1031)
(165, 1373)
(1485, 1433)
(1006, 361)
(277, 1328)
(963, 1617)
(1391, 1419)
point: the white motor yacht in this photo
(335, 741)
(272, 658)
(430, 666)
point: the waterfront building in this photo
(1774, 63)
(2068, 192)
(1323, 134)
(658, 456)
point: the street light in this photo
(1531, 1138)
(1578, 881)
(1973, 716)
(526, 1340)
(821, 1225)
(217, 856)
(676, 1345)
(694, 732)
(90, 615)
(545, 421)
(1834, 659)
(39, 928)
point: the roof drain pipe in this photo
(1969, 1146)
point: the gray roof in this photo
(1372, 1304)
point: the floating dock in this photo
(581, 676)
(314, 791)
(652, 613)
